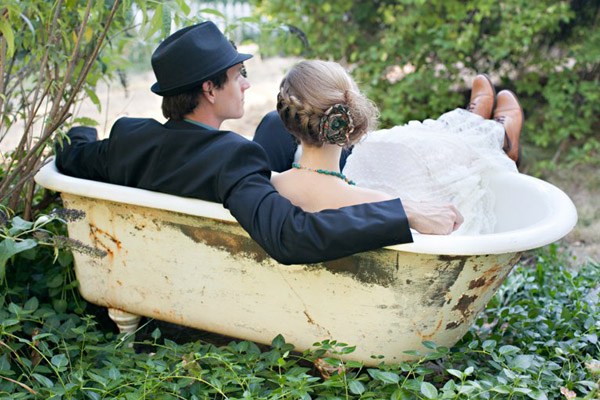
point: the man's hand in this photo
(433, 218)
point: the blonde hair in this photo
(310, 88)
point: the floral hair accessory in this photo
(336, 125)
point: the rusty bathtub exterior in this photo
(199, 268)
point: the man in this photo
(202, 80)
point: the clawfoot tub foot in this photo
(126, 322)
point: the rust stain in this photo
(98, 236)
(119, 283)
(308, 318)
(430, 335)
(463, 305)
(312, 322)
(97, 231)
(235, 245)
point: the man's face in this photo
(229, 101)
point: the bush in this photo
(415, 59)
(52, 56)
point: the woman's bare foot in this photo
(510, 114)
(482, 96)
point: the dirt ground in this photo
(582, 184)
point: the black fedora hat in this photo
(189, 56)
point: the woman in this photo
(449, 159)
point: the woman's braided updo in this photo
(308, 94)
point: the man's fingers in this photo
(458, 220)
(435, 219)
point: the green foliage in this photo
(415, 59)
(537, 339)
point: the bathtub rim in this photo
(537, 235)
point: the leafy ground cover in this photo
(537, 339)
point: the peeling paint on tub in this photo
(464, 304)
(236, 245)
(453, 325)
(442, 279)
(477, 283)
(377, 267)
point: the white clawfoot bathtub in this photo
(187, 261)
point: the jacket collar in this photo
(172, 124)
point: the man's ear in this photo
(208, 91)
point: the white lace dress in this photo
(449, 159)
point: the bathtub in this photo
(188, 262)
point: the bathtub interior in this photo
(520, 203)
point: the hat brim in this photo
(241, 57)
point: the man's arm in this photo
(292, 236)
(83, 156)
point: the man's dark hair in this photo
(176, 107)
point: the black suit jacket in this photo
(184, 159)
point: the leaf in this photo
(114, 373)
(94, 395)
(10, 322)
(356, 387)
(501, 389)
(59, 360)
(213, 12)
(85, 121)
(19, 225)
(455, 372)
(489, 345)
(401, 394)
(60, 305)
(386, 377)
(43, 380)
(182, 4)
(100, 379)
(522, 362)
(9, 37)
(14, 309)
(428, 390)
(32, 304)
(429, 344)
(156, 334)
(522, 390)
(95, 100)
(537, 394)
(55, 281)
(508, 349)
(4, 363)
(41, 336)
(278, 342)
(8, 248)
(156, 21)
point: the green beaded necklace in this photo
(326, 172)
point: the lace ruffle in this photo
(449, 160)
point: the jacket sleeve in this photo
(83, 156)
(292, 236)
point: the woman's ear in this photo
(208, 91)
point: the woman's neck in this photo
(326, 157)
